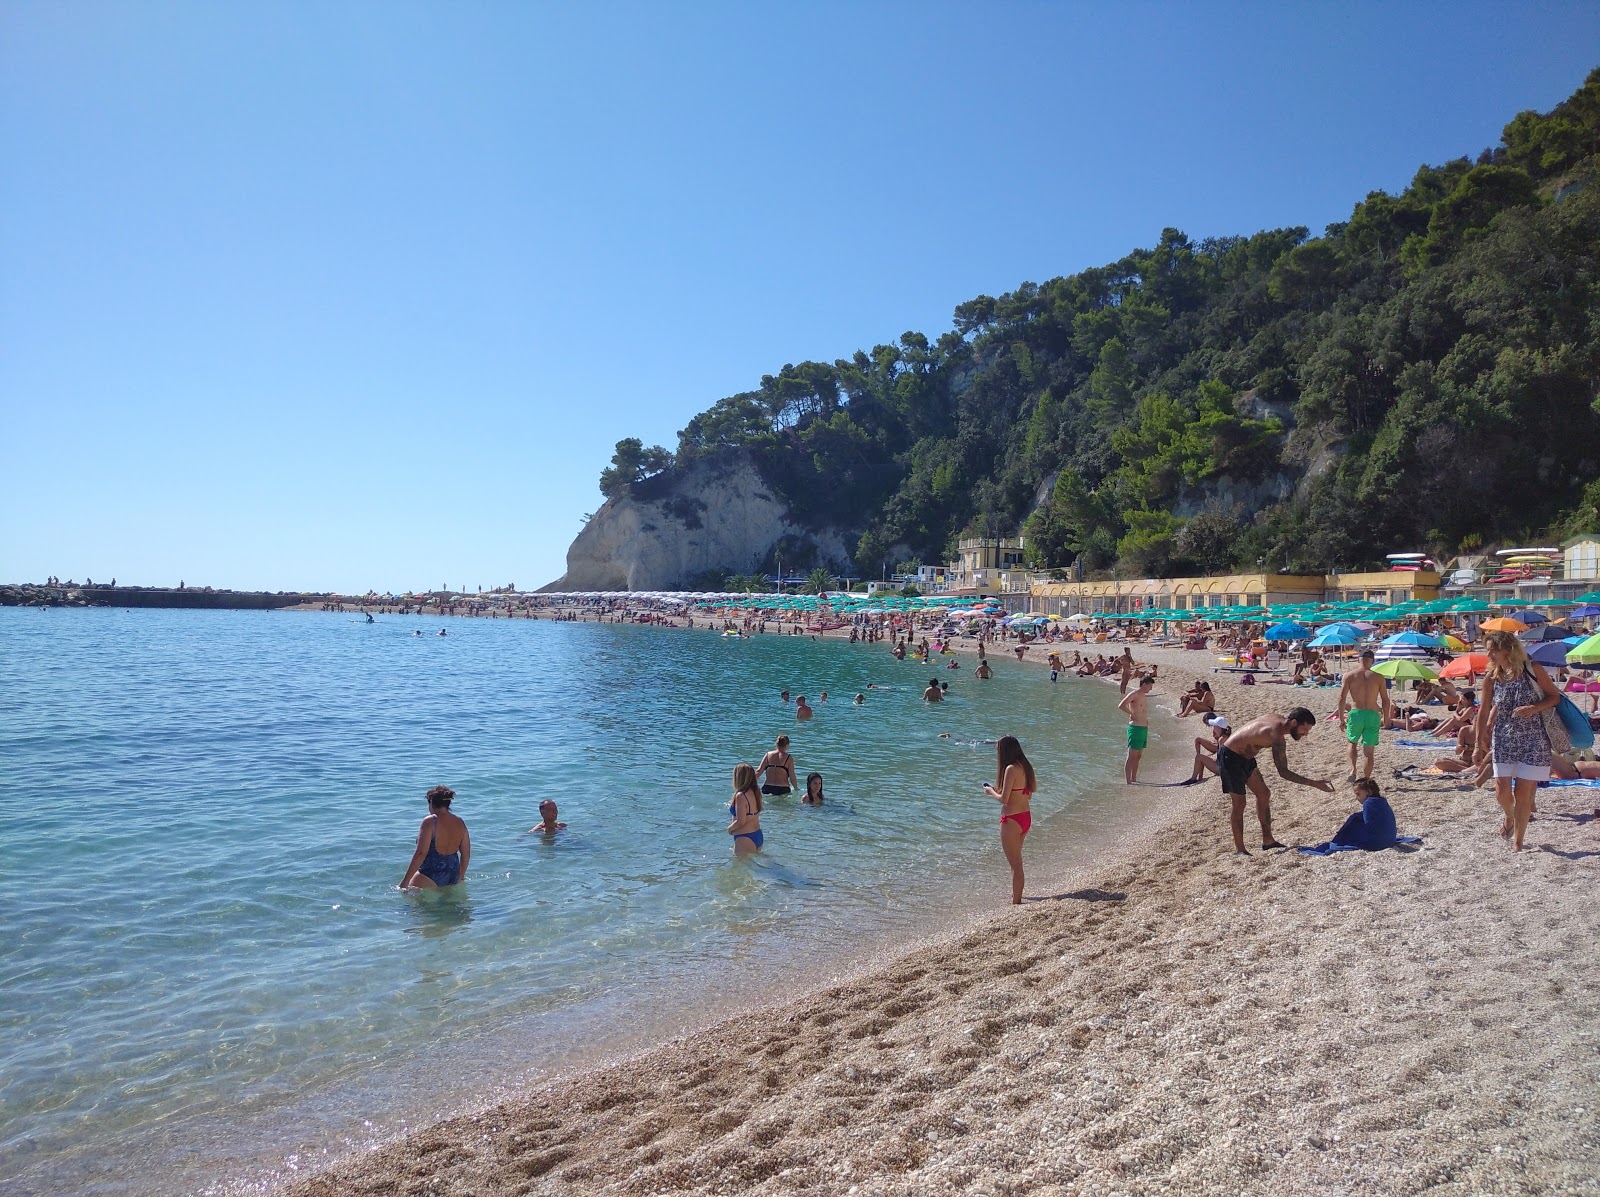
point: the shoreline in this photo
(1165, 1015)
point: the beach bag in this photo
(1575, 722)
(1555, 723)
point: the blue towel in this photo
(1433, 744)
(1370, 829)
(1589, 782)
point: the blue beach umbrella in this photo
(1288, 631)
(1530, 616)
(1335, 637)
(1587, 611)
(1420, 639)
(1341, 628)
(1551, 652)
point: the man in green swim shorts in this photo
(1137, 707)
(1363, 709)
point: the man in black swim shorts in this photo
(1236, 765)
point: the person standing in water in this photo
(813, 790)
(547, 814)
(778, 769)
(1013, 789)
(746, 811)
(443, 846)
(1137, 708)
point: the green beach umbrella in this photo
(1585, 652)
(1405, 670)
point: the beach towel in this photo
(1435, 745)
(1582, 782)
(1370, 829)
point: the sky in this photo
(312, 296)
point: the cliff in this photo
(691, 527)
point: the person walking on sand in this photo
(1510, 731)
(1363, 709)
(1013, 788)
(443, 846)
(1236, 765)
(1136, 707)
(777, 768)
(746, 811)
(1127, 670)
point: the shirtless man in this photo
(984, 672)
(1236, 763)
(1136, 707)
(1363, 709)
(1127, 670)
(933, 693)
(777, 769)
(802, 712)
(549, 826)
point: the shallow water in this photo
(210, 812)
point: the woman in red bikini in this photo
(1013, 788)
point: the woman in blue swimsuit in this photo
(443, 846)
(746, 810)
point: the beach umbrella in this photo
(1543, 633)
(1454, 644)
(1587, 611)
(1551, 652)
(1335, 637)
(1402, 652)
(1288, 631)
(1468, 665)
(1586, 653)
(1530, 616)
(1418, 639)
(1503, 624)
(1592, 597)
(1340, 627)
(1399, 671)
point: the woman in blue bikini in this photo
(443, 846)
(746, 810)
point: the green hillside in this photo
(1425, 375)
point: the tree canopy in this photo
(1423, 375)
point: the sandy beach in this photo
(1166, 1018)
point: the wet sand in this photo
(1165, 1018)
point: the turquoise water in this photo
(209, 812)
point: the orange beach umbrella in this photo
(1504, 624)
(1466, 665)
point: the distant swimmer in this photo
(547, 813)
(860, 699)
(441, 631)
(984, 672)
(801, 711)
(443, 846)
(1013, 788)
(813, 790)
(418, 632)
(777, 769)
(746, 811)
(369, 618)
(823, 697)
(933, 693)
(783, 696)
(953, 665)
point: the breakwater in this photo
(203, 598)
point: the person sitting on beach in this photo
(983, 671)
(778, 769)
(547, 815)
(1013, 788)
(1198, 701)
(443, 846)
(1236, 765)
(1370, 829)
(746, 811)
(1564, 770)
(802, 712)
(933, 693)
(1205, 750)
(813, 795)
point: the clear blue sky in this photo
(309, 295)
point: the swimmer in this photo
(547, 812)
(441, 631)
(933, 693)
(1013, 789)
(746, 811)
(430, 866)
(778, 768)
(984, 672)
(801, 711)
(783, 697)
(823, 697)
(813, 790)
(953, 665)
(860, 699)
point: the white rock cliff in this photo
(717, 515)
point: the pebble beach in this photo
(1165, 1017)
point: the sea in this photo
(211, 981)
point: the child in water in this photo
(813, 790)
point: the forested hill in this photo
(1425, 375)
